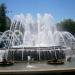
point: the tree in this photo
(67, 25)
(4, 20)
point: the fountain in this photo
(36, 39)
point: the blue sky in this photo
(60, 9)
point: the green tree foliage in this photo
(4, 20)
(67, 25)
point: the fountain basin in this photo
(36, 53)
(40, 68)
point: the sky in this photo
(59, 9)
